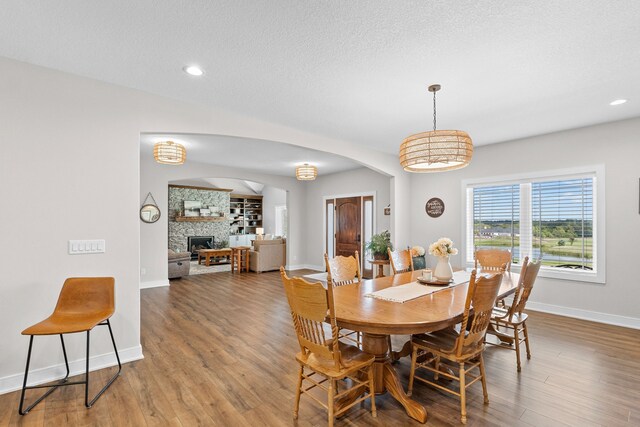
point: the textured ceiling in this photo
(355, 70)
(257, 155)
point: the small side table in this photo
(240, 258)
(380, 263)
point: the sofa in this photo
(267, 255)
(179, 264)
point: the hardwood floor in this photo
(219, 350)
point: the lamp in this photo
(437, 150)
(259, 232)
(169, 153)
(306, 172)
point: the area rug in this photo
(203, 269)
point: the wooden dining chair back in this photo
(311, 304)
(463, 348)
(528, 278)
(321, 352)
(492, 259)
(401, 260)
(83, 303)
(481, 298)
(343, 270)
(507, 323)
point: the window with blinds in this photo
(545, 217)
(562, 215)
(496, 218)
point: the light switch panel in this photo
(78, 247)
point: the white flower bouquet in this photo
(442, 247)
(417, 251)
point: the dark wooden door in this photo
(348, 226)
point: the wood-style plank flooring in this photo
(219, 350)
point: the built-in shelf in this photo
(245, 213)
(201, 218)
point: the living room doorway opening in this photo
(208, 216)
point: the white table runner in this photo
(413, 290)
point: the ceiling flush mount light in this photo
(618, 102)
(169, 153)
(437, 150)
(306, 172)
(193, 70)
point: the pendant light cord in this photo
(434, 110)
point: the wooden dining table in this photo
(378, 319)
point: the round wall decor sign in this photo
(434, 207)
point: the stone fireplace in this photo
(181, 231)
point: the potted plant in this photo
(378, 245)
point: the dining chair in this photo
(342, 271)
(513, 318)
(463, 347)
(492, 259)
(83, 303)
(488, 260)
(327, 359)
(401, 260)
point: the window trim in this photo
(551, 175)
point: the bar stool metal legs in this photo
(64, 381)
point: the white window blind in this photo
(562, 214)
(553, 218)
(496, 218)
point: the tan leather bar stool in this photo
(84, 303)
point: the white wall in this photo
(154, 177)
(357, 181)
(70, 170)
(616, 146)
(272, 197)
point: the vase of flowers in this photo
(442, 249)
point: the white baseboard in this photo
(305, 267)
(154, 284)
(594, 316)
(54, 372)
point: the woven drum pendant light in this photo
(169, 153)
(306, 172)
(437, 150)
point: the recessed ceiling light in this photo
(618, 102)
(193, 70)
